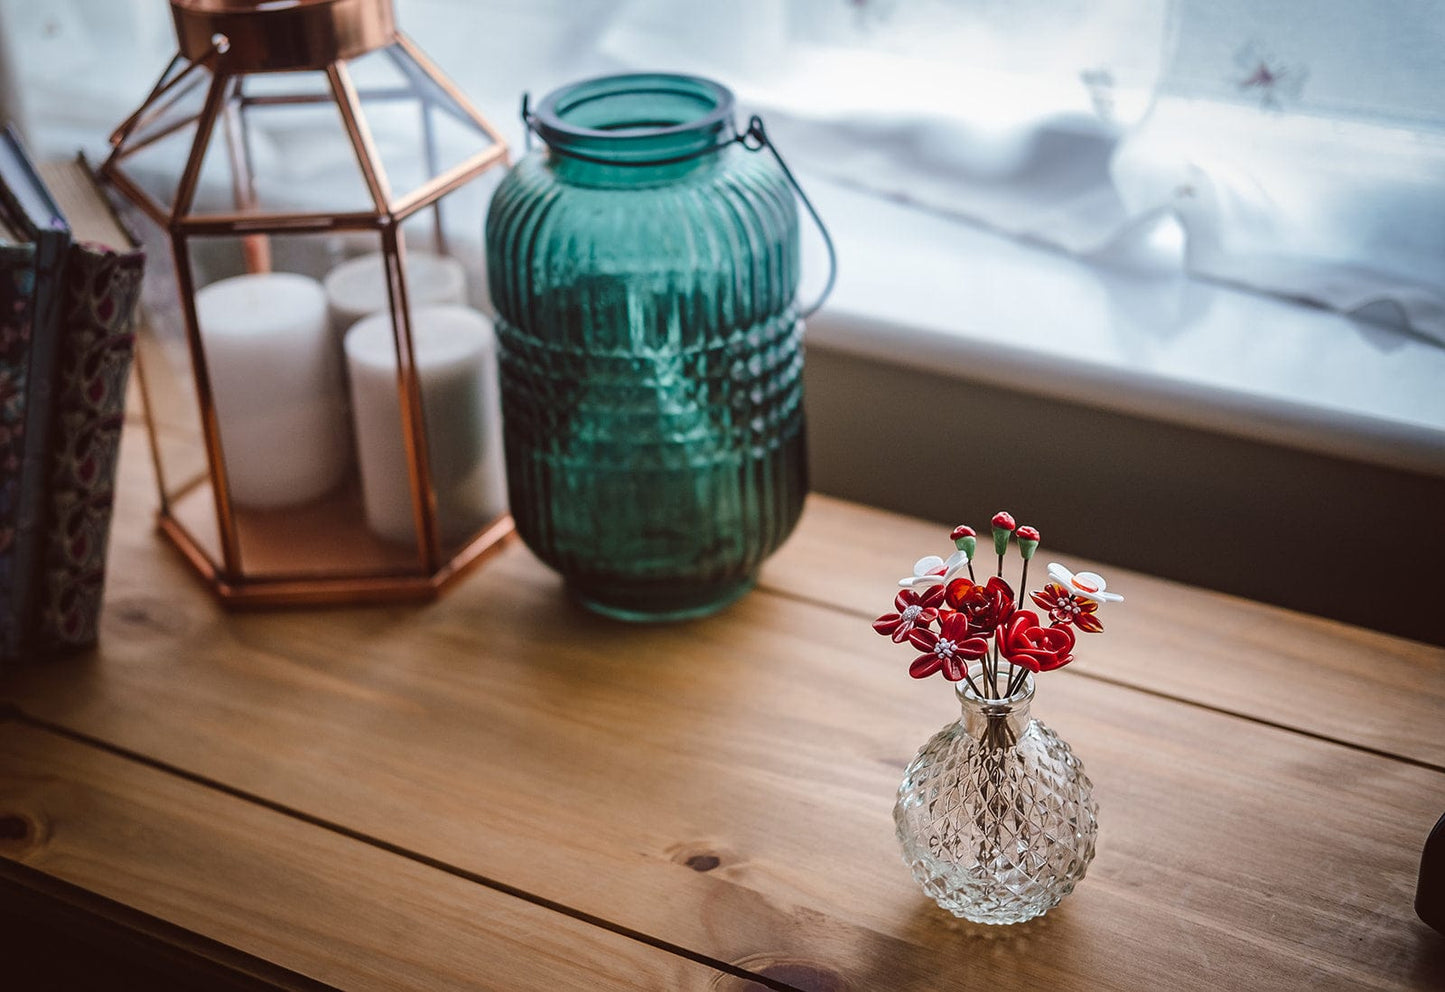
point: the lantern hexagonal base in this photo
(333, 590)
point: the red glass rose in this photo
(1002, 520)
(949, 650)
(986, 605)
(1039, 649)
(912, 610)
(1065, 607)
(962, 530)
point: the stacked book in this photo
(69, 286)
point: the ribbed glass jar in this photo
(995, 816)
(644, 269)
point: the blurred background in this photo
(1166, 278)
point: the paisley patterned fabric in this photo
(102, 289)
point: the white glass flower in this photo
(1089, 585)
(932, 570)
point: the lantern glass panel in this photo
(272, 337)
(454, 354)
(284, 148)
(420, 129)
(449, 227)
(464, 437)
(455, 351)
(153, 156)
(166, 372)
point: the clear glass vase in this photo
(644, 269)
(995, 816)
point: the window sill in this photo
(929, 293)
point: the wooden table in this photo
(500, 791)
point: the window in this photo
(1298, 148)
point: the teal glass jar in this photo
(644, 269)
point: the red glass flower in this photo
(962, 530)
(1039, 649)
(949, 650)
(1027, 534)
(986, 605)
(1065, 607)
(912, 610)
(1003, 520)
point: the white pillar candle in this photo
(277, 387)
(358, 288)
(456, 365)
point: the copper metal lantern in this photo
(320, 397)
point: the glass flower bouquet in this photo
(995, 815)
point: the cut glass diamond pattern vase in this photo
(995, 815)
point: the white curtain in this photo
(1302, 147)
(1003, 111)
(1298, 145)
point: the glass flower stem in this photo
(986, 676)
(1015, 680)
(972, 684)
(1024, 583)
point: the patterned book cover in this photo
(97, 341)
(101, 293)
(17, 296)
(31, 218)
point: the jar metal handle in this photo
(754, 139)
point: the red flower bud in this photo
(965, 539)
(1003, 527)
(1028, 538)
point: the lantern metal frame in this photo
(234, 39)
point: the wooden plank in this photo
(333, 909)
(1267, 663)
(605, 778)
(54, 935)
(725, 785)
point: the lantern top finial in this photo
(282, 35)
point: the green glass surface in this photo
(650, 349)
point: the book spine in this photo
(17, 536)
(92, 369)
(51, 254)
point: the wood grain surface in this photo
(725, 786)
(1262, 662)
(333, 909)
